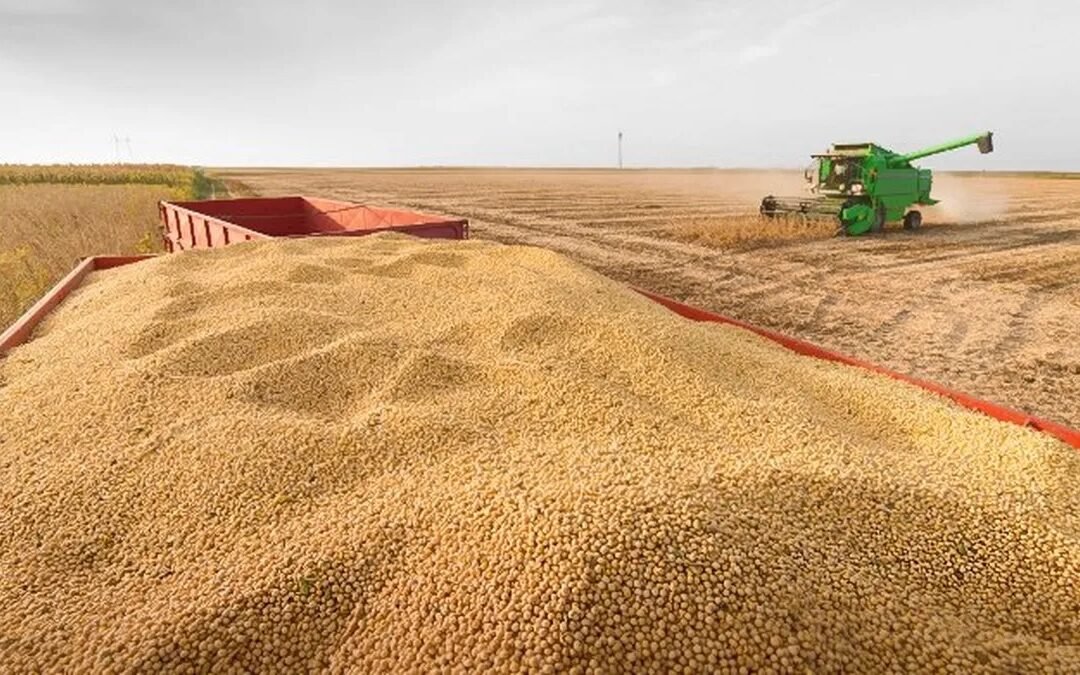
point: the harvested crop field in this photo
(389, 454)
(985, 298)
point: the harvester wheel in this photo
(879, 219)
(912, 220)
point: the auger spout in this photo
(985, 141)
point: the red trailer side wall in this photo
(220, 222)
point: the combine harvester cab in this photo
(864, 186)
(212, 223)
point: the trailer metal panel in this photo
(220, 222)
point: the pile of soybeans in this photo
(387, 454)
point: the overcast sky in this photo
(756, 83)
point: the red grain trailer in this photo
(212, 223)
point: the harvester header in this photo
(865, 185)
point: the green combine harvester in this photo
(864, 185)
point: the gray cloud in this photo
(747, 83)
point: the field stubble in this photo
(985, 298)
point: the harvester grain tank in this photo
(864, 185)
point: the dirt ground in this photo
(985, 298)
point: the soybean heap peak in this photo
(389, 454)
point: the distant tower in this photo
(620, 149)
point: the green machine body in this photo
(864, 185)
